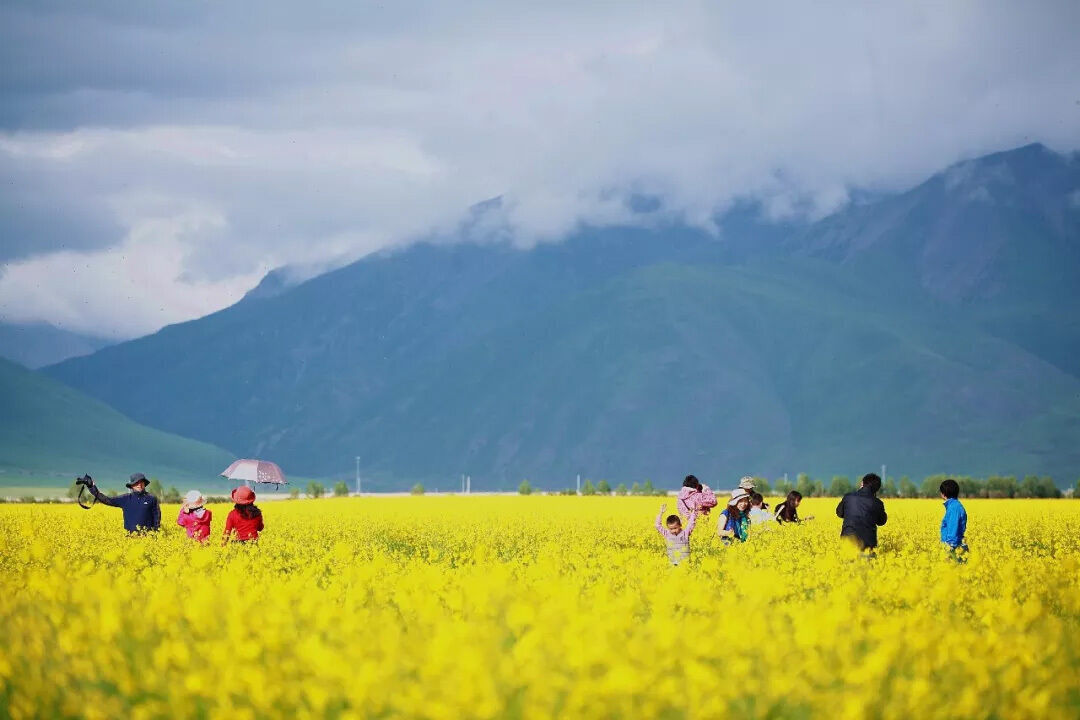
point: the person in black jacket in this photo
(141, 509)
(863, 513)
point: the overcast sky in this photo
(157, 159)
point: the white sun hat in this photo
(736, 495)
(194, 497)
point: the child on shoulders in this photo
(693, 496)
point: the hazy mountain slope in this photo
(724, 369)
(36, 345)
(47, 428)
(727, 371)
(349, 335)
(998, 236)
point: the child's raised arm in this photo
(691, 522)
(660, 519)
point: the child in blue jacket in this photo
(954, 524)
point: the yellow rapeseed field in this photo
(537, 607)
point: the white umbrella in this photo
(257, 471)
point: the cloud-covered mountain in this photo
(932, 330)
(160, 187)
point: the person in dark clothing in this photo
(788, 511)
(863, 512)
(141, 509)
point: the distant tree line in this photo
(995, 486)
(601, 487)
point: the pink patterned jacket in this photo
(198, 528)
(692, 499)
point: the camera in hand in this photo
(87, 488)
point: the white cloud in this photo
(314, 139)
(137, 284)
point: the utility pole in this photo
(468, 484)
(882, 472)
(358, 487)
(579, 484)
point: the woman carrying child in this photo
(194, 517)
(734, 521)
(695, 497)
(245, 522)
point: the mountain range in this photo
(936, 330)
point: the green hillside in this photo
(50, 433)
(722, 371)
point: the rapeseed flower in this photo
(538, 607)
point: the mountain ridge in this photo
(612, 353)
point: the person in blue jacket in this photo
(954, 524)
(141, 509)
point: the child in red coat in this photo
(245, 522)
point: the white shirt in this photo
(759, 516)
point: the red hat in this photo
(243, 495)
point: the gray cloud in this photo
(42, 208)
(242, 136)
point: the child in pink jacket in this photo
(695, 497)
(194, 517)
